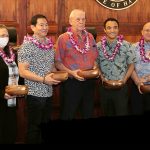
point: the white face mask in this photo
(3, 41)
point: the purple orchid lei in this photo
(116, 49)
(142, 51)
(42, 46)
(8, 59)
(75, 45)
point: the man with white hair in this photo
(76, 50)
(140, 103)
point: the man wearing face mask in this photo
(116, 62)
(8, 76)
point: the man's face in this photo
(146, 32)
(41, 28)
(78, 21)
(111, 29)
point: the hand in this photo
(48, 79)
(6, 96)
(103, 79)
(99, 74)
(74, 73)
(139, 85)
(141, 82)
(144, 78)
(95, 67)
(123, 82)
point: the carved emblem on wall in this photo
(117, 4)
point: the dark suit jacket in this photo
(7, 114)
(3, 78)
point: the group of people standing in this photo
(76, 50)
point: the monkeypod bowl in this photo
(89, 74)
(16, 90)
(112, 84)
(145, 88)
(60, 75)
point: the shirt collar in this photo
(76, 35)
(112, 43)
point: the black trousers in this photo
(77, 95)
(114, 102)
(140, 103)
(38, 112)
(8, 123)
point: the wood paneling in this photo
(96, 13)
(131, 19)
(45, 7)
(13, 14)
(18, 13)
(21, 15)
(7, 14)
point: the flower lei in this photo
(8, 59)
(42, 46)
(116, 49)
(142, 51)
(74, 43)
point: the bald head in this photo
(147, 25)
(146, 32)
(77, 20)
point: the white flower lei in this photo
(8, 59)
(116, 49)
(42, 46)
(74, 43)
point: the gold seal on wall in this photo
(117, 4)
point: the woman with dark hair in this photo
(8, 76)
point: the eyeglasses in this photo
(80, 19)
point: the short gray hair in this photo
(73, 12)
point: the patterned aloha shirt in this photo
(41, 62)
(70, 57)
(142, 68)
(116, 69)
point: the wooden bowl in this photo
(112, 84)
(16, 90)
(89, 74)
(60, 75)
(145, 88)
